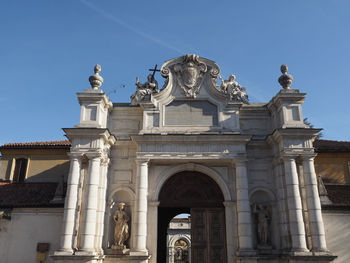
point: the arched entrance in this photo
(197, 194)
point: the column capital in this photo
(308, 156)
(240, 161)
(93, 155)
(75, 155)
(229, 203)
(154, 203)
(288, 156)
(142, 161)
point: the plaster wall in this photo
(44, 169)
(333, 167)
(27, 227)
(337, 237)
(4, 166)
(44, 165)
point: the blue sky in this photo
(48, 50)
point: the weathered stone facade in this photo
(257, 154)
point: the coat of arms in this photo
(189, 75)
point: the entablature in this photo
(219, 146)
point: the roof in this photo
(339, 195)
(328, 146)
(180, 220)
(15, 195)
(38, 145)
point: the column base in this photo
(246, 256)
(76, 258)
(321, 250)
(299, 252)
(138, 253)
(246, 253)
(63, 252)
(86, 253)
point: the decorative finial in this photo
(286, 79)
(96, 80)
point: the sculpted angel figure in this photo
(121, 230)
(233, 89)
(142, 90)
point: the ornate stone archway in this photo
(200, 195)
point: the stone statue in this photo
(263, 220)
(233, 89)
(121, 230)
(179, 254)
(144, 90)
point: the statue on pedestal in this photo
(121, 230)
(234, 91)
(143, 91)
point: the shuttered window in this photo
(20, 170)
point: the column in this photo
(296, 221)
(153, 229)
(141, 208)
(283, 211)
(229, 208)
(313, 205)
(243, 207)
(101, 203)
(104, 193)
(90, 208)
(70, 205)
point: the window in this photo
(20, 170)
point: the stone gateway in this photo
(243, 171)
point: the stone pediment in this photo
(191, 99)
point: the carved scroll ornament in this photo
(189, 75)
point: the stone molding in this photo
(163, 176)
(127, 189)
(270, 193)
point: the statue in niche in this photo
(144, 91)
(179, 254)
(233, 89)
(263, 221)
(121, 230)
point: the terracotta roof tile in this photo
(339, 195)
(35, 145)
(180, 220)
(27, 195)
(331, 146)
